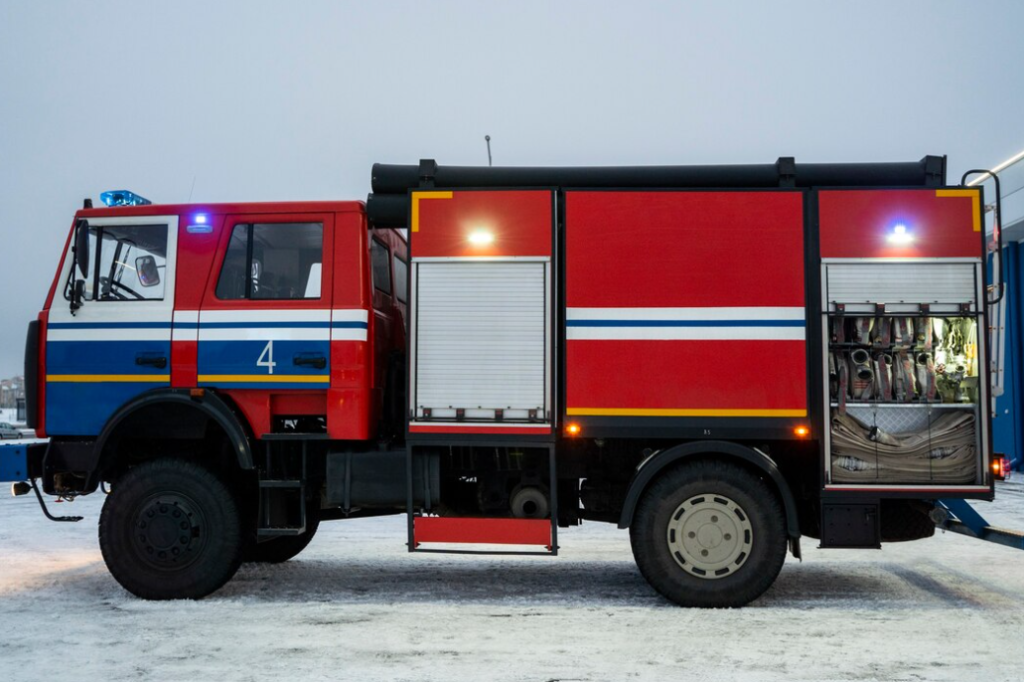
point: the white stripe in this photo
(186, 316)
(684, 333)
(264, 334)
(184, 334)
(348, 335)
(108, 334)
(696, 314)
(256, 316)
(350, 315)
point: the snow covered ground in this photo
(357, 606)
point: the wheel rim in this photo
(710, 536)
(167, 531)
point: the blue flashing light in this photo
(200, 224)
(122, 197)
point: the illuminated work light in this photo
(900, 235)
(122, 197)
(481, 237)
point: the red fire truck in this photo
(721, 359)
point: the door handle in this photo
(151, 360)
(314, 360)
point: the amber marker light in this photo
(801, 432)
(573, 429)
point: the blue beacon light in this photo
(200, 224)
(123, 197)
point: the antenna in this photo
(191, 190)
(487, 139)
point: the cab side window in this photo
(273, 261)
(401, 278)
(380, 260)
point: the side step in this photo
(483, 531)
(282, 497)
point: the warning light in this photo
(801, 431)
(573, 429)
(900, 235)
(481, 237)
(1000, 468)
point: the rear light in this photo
(1000, 467)
(801, 432)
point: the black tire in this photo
(741, 504)
(170, 529)
(279, 550)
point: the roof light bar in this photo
(123, 197)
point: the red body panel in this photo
(517, 222)
(669, 264)
(684, 249)
(686, 375)
(859, 223)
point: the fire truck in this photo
(720, 359)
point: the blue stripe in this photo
(684, 323)
(349, 325)
(109, 325)
(186, 325)
(264, 325)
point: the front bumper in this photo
(21, 461)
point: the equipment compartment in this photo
(904, 398)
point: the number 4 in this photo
(267, 358)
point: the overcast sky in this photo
(289, 101)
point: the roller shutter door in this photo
(481, 339)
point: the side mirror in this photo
(77, 295)
(82, 247)
(146, 269)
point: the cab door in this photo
(265, 321)
(117, 344)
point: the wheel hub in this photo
(710, 536)
(167, 533)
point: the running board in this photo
(482, 531)
(970, 523)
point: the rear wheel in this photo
(709, 534)
(170, 530)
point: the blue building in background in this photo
(1008, 347)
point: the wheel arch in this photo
(748, 457)
(202, 408)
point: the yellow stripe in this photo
(264, 378)
(975, 196)
(94, 378)
(629, 412)
(416, 196)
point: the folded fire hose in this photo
(943, 453)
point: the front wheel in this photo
(170, 529)
(709, 534)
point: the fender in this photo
(208, 403)
(653, 465)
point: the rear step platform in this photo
(483, 531)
